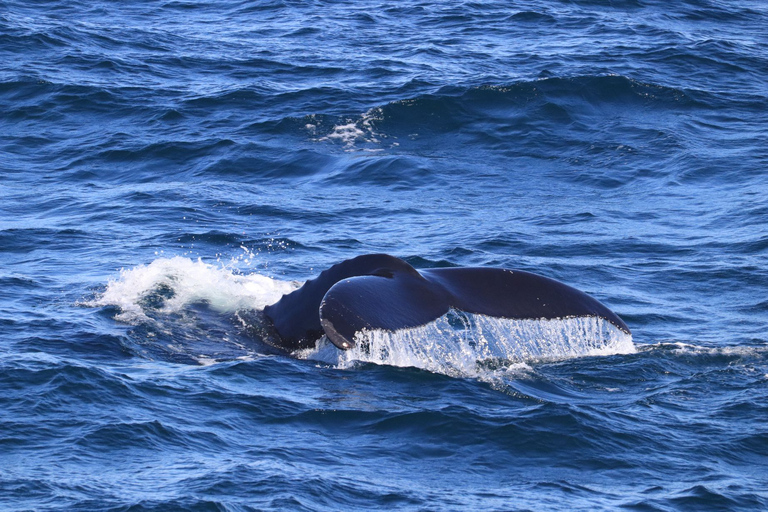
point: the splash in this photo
(168, 285)
(468, 345)
(162, 295)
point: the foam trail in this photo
(461, 344)
(168, 285)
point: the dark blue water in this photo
(167, 168)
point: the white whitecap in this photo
(353, 130)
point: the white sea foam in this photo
(469, 345)
(181, 281)
(681, 348)
(345, 133)
(353, 130)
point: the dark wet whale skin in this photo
(379, 291)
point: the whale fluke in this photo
(379, 291)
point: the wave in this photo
(613, 120)
(451, 108)
(728, 353)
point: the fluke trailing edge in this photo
(378, 291)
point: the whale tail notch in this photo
(379, 291)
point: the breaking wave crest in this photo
(469, 345)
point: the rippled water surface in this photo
(169, 168)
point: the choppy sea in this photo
(170, 167)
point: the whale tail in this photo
(378, 291)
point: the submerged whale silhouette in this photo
(378, 291)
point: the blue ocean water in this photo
(168, 168)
